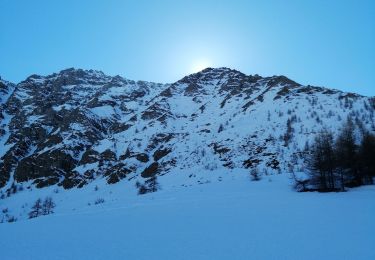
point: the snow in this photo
(33, 119)
(77, 127)
(113, 92)
(86, 167)
(103, 145)
(63, 106)
(103, 111)
(229, 219)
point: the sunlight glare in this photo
(200, 65)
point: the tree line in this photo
(336, 163)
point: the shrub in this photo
(99, 201)
(255, 175)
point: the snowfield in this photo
(226, 217)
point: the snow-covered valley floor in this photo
(229, 219)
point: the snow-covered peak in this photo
(212, 74)
(69, 76)
(75, 126)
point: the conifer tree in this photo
(321, 162)
(367, 158)
(346, 153)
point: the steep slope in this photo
(54, 119)
(75, 126)
(6, 90)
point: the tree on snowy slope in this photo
(141, 188)
(48, 206)
(367, 158)
(289, 132)
(342, 163)
(321, 162)
(37, 209)
(152, 184)
(347, 155)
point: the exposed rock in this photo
(160, 153)
(151, 170)
(142, 157)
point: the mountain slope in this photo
(75, 126)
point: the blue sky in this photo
(325, 43)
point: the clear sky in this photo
(326, 43)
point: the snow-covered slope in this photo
(231, 219)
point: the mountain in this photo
(73, 127)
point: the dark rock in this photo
(158, 154)
(142, 157)
(151, 170)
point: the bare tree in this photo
(48, 206)
(152, 184)
(36, 210)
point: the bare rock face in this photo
(150, 170)
(74, 126)
(50, 164)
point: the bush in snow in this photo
(255, 175)
(11, 219)
(221, 128)
(99, 201)
(300, 184)
(150, 185)
(142, 189)
(6, 217)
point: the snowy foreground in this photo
(228, 219)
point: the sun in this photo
(200, 65)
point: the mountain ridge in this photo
(71, 70)
(71, 127)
